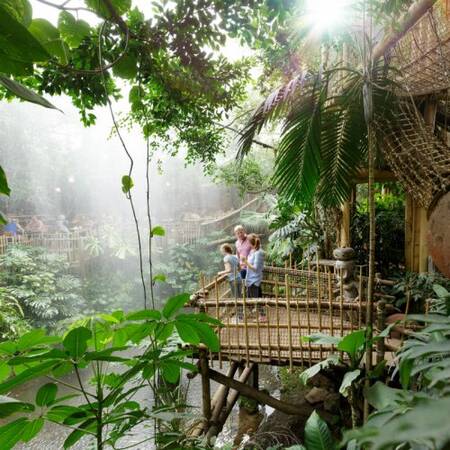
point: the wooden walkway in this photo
(292, 311)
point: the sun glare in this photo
(326, 14)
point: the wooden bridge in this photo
(296, 303)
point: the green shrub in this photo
(41, 284)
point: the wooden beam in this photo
(362, 176)
(261, 397)
(206, 388)
(221, 413)
(415, 12)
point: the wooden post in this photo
(344, 234)
(381, 319)
(206, 388)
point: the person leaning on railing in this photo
(231, 263)
(255, 267)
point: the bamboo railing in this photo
(296, 303)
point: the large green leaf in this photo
(50, 39)
(34, 338)
(126, 67)
(4, 188)
(20, 9)
(187, 332)
(46, 394)
(120, 6)
(27, 375)
(343, 143)
(11, 433)
(317, 434)
(32, 429)
(208, 336)
(77, 434)
(316, 368)
(298, 162)
(174, 304)
(17, 42)
(76, 341)
(24, 93)
(13, 67)
(348, 380)
(353, 343)
(73, 31)
(9, 405)
(379, 395)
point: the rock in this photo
(316, 395)
(332, 403)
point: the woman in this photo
(255, 266)
(242, 247)
(231, 263)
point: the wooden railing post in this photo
(381, 321)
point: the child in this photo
(231, 263)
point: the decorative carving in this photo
(345, 268)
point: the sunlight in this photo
(326, 14)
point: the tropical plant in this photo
(418, 287)
(183, 265)
(41, 284)
(317, 436)
(352, 348)
(104, 409)
(324, 136)
(390, 232)
(411, 417)
(249, 176)
(12, 321)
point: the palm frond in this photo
(343, 143)
(273, 107)
(298, 163)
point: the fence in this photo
(71, 245)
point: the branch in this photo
(63, 7)
(234, 130)
(115, 16)
(303, 410)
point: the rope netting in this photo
(419, 159)
(422, 55)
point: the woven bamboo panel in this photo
(420, 160)
(422, 55)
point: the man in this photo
(243, 248)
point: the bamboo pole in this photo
(288, 309)
(330, 299)
(415, 12)
(319, 300)
(381, 320)
(218, 318)
(299, 330)
(231, 400)
(278, 320)
(308, 319)
(246, 328)
(268, 329)
(206, 388)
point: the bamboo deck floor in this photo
(279, 339)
